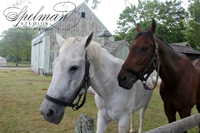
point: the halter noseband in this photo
(85, 84)
(144, 75)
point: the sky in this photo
(108, 11)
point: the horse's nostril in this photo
(50, 113)
(124, 78)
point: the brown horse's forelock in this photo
(146, 34)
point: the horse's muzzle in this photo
(52, 113)
(126, 81)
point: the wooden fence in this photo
(179, 126)
(85, 124)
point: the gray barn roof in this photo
(181, 44)
(2, 57)
(113, 47)
(185, 49)
(105, 33)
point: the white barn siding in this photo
(47, 53)
(39, 51)
(122, 53)
(45, 48)
(3, 61)
(44, 53)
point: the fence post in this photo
(85, 124)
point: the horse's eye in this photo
(73, 68)
(144, 48)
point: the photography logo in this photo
(23, 18)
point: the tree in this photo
(16, 44)
(194, 10)
(193, 31)
(169, 16)
(96, 2)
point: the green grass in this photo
(22, 92)
(11, 64)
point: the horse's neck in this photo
(103, 70)
(170, 66)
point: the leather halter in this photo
(144, 75)
(85, 84)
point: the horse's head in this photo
(141, 58)
(69, 70)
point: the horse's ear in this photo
(153, 26)
(88, 39)
(60, 40)
(138, 28)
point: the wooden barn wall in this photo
(82, 29)
(38, 53)
(3, 62)
(192, 57)
(122, 53)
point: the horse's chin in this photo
(59, 120)
(55, 121)
(127, 86)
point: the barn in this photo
(3, 62)
(45, 48)
(119, 49)
(185, 48)
(182, 48)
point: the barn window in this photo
(83, 14)
(51, 56)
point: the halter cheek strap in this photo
(85, 84)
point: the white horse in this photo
(114, 103)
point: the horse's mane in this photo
(94, 49)
(165, 43)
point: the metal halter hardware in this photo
(144, 75)
(85, 84)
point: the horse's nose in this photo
(125, 82)
(124, 78)
(50, 113)
(41, 109)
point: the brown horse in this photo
(180, 86)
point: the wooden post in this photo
(85, 124)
